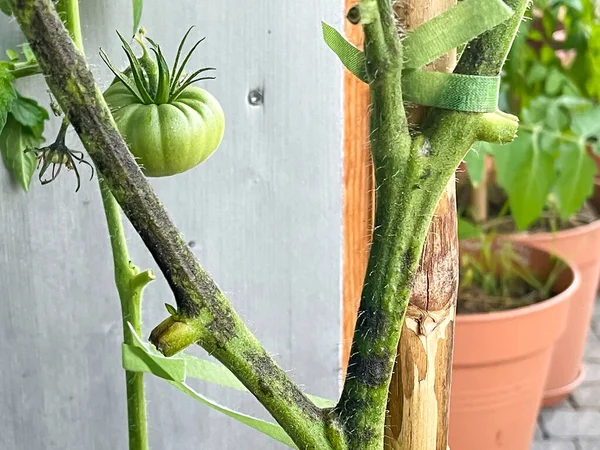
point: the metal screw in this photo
(255, 97)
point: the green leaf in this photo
(171, 309)
(575, 182)
(5, 7)
(13, 55)
(526, 172)
(27, 112)
(474, 160)
(14, 140)
(467, 230)
(138, 6)
(536, 74)
(554, 81)
(140, 357)
(586, 124)
(7, 95)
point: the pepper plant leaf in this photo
(575, 182)
(475, 159)
(526, 172)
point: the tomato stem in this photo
(130, 283)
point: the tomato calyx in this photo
(153, 82)
(58, 155)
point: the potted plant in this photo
(512, 307)
(537, 189)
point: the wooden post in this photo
(419, 397)
(358, 191)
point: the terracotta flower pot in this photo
(500, 365)
(580, 247)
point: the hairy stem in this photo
(397, 239)
(410, 176)
(130, 283)
(204, 314)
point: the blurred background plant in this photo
(551, 81)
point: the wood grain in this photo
(358, 192)
(419, 399)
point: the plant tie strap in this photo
(436, 37)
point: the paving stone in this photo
(572, 424)
(589, 445)
(592, 348)
(587, 395)
(553, 445)
(539, 435)
(592, 373)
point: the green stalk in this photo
(129, 281)
(68, 10)
(130, 284)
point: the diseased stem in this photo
(130, 283)
(204, 314)
(410, 174)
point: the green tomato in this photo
(168, 138)
(169, 125)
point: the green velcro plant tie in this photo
(142, 357)
(453, 28)
(456, 26)
(451, 91)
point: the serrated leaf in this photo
(575, 182)
(5, 7)
(14, 140)
(138, 6)
(526, 173)
(27, 112)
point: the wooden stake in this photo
(358, 191)
(419, 397)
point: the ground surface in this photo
(575, 424)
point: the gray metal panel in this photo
(264, 211)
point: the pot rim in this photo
(572, 232)
(529, 309)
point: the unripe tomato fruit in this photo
(169, 126)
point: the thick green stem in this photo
(398, 236)
(130, 283)
(204, 314)
(68, 10)
(410, 176)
